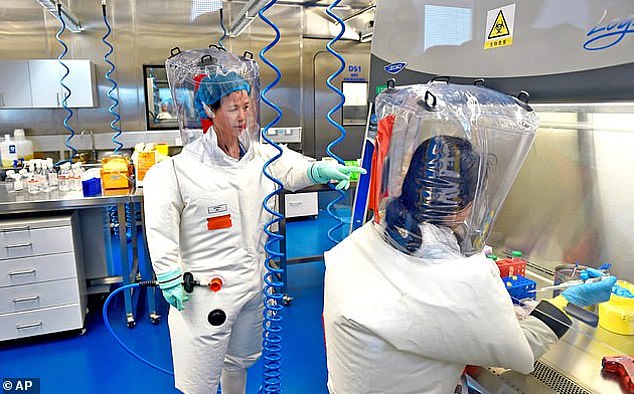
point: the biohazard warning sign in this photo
(499, 28)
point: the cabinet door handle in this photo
(22, 228)
(24, 327)
(1, 99)
(295, 203)
(24, 272)
(26, 299)
(24, 245)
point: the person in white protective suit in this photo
(204, 215)
(409, 299)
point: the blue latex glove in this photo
(622, 291)
(587, 294)
(323, 172)
(171, 284)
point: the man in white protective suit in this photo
(204, 215)
(409, 299)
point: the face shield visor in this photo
(215, 88)
(447, 155)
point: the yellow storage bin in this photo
(115, 172)
(617, 314)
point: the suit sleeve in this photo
(162, 207)
(291, 168)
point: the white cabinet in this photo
(42, 287)
(35, 83)
(46, 91)
(15, 87)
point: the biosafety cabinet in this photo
(572, 200)
(42, 286)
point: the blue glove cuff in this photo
(169, 279)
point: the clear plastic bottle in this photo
(18, 185)
(9, 181)
(64, 177)
(32, 184)
(51, 174)
(9, 151)
(40, 174)
(75, 177)
(23, 145)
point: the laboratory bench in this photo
(22, 215)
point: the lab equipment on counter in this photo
(623, 368)
(9, 151)
(519, 287)
(23, 145)
(91, 182)
(145, 156)
(64, 177)
(115, 172)
(512, 266)
(617, 314)
(75, 176)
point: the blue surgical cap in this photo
(216, 86)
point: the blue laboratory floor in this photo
(95, 363)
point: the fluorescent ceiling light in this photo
(71, 21)
(200, 7)
(246, 16)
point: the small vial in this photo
(64, 177)
(32, 185)
(51, 175)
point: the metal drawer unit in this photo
(42, 288)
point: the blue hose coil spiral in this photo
(115, 123)
(273, 278)
(224, 30)
(67, 91)
(340, 193)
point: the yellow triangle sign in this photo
(499, 28)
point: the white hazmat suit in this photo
(396, 323)
(185, 196)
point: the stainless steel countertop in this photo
(578, 356)
(22, 201)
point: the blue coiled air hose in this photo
(340, 193)
(273, 278)
(67, 91)
(115, 123)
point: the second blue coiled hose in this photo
(340, 193)
(115, 123)
(67, 91)
(272, 334)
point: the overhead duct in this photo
(71, 21)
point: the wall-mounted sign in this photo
(499, 28)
